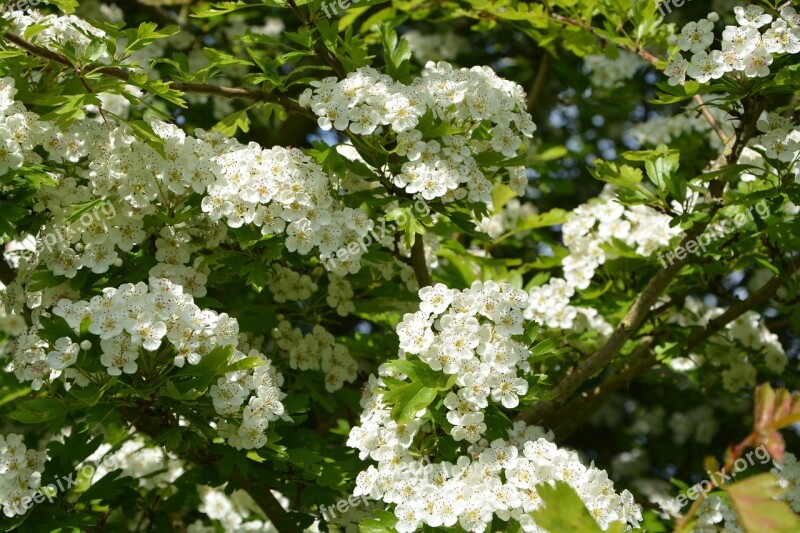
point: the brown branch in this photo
(577, 410)
(593, 364)
(124, 75)
(762, 295)
(703, 108)
(572, 416)
(637, 314)
(650, 58)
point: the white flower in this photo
(696, 36)
(751, 16)
(436, 299)
(676, 70)
(705, 67)
(64, 355)
(119, 362)
(757, 63)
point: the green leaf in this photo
(565, 511)
(40, 410)
(396, 54)
(238, 120)
(66, 6)
(147, 33)
(545, 349)
(625, 177)
(410, 398)
(661, 164)
(383, 523)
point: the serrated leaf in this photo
(753, 499)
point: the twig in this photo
(650, 58)
(638, 50)
(124, 75)
(320, 47)
(710, 118)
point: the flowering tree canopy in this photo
(376, 266)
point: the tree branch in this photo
(572, 416)
(578, 409)
(636, 315)
(650, 58)
(124, 75)
(701, 106)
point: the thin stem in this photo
(419, 264)
(124, 75)
(320, 47)
(703, 108)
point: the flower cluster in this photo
(748, 47)
(664, 129)
(65, 31)
(151, 465)
(340, 295)
(281, 191)
(464, 100)
(608, 73)
(589, 227)
(469, 334)
(716, 514)
(286, 284)
(435, 46)
(20, 473)
(780, 138)
(493, 479)
(744, 343)
(232, 511)
(788, 471)
(135, 321)
(317, 350)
